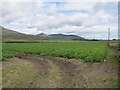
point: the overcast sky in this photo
(86, 19)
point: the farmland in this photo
(59, 65)
(90, 52)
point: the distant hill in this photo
(62, 36)
(66, 36)
(40, 34)
(58, 35)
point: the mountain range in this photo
(60, 35)
(11, 35)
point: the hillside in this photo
(10, 35)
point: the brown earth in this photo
(55, 72)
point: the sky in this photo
(90, 20)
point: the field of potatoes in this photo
(90, 52)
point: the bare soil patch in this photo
(67, 73)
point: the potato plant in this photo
(90, 52)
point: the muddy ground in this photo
(34, 71)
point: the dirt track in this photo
(55, 72)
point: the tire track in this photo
(41, 68)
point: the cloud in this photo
(104, 6)
(16, 10)
(78, 6)
(81, 18)
(51, 10)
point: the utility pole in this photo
(108, 33)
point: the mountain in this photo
(62, 36)
(57, 35)
(40, 34)
(66, 36)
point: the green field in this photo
(90, 52)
